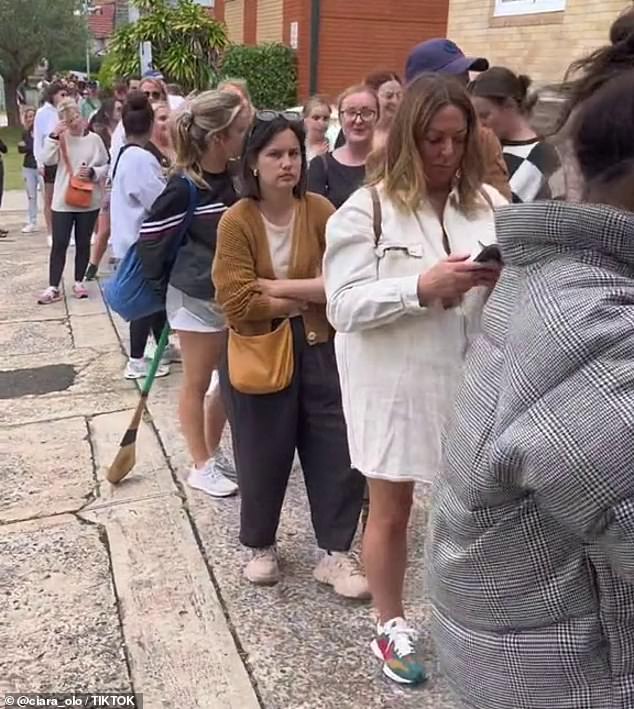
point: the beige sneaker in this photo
(342, 571)
(263, 569)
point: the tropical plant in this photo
(186, 44)
(270, 71)
(31, 31)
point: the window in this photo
(506, 8)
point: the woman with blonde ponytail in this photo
(207, 134)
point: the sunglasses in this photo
(267, 116)
(154, 95)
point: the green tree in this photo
(186, 43)
(31, 31)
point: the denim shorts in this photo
(193, 314)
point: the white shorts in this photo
(192, 314)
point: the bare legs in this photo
(48, 201)
(201, 353)
(385, 545)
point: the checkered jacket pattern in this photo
(530, 554)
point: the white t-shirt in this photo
(137, 182)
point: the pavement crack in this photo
(93, 460)
(103, 538)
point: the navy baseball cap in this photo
(441, 56)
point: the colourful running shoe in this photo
(395, 646)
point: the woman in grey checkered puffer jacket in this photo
(531, 547)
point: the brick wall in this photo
(234, 18)
(357, 38)
(541, 46)
(270, 21)
(299, 11)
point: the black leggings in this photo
(63, 223)
(140, 331)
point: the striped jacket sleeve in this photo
(160, 229)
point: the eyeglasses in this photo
(154, 95)
(267, 116)
(365, 114)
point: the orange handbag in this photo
(261, 364)
(79, 191)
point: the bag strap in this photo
(123, 149)
(377, 215)
(189, 214)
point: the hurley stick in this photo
(126, 457)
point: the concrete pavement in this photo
(140, 586)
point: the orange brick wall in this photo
(357, 38)
(250, 21)
(299, 11)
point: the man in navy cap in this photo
(442, 56)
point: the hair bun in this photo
(524, 82)
(137, 100)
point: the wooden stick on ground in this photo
(126, 457)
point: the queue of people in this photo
(428, 230)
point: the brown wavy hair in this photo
(399, 166)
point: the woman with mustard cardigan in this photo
(280, 380)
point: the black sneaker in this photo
(91, 272)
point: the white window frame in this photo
(510, 8)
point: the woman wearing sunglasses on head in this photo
(280, 380)
(337, 175)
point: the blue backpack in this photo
(127, 292)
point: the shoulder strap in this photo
(324, 161)
(189, 214)
(123, 149)
(377, 215)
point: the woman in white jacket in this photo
(404, 295)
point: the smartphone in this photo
(488, 254)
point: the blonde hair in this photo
(311, 104)
(209, 114)
(158, 85)
(239, 84)
(66, 107)
(399, 165)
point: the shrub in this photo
(270, 70)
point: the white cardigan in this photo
(399, 363)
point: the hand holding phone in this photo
(487, 254)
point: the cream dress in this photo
(399, 363)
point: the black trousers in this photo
(63, 223)
(140, 331)
(267, 429)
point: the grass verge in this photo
(12, 160)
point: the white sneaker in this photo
(264, 568)
(136, 369)
(224, 464)
(211, 481)
(171, 354)
(139, 368)
(342, 571)
(29, 228)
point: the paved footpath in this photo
(140, 587)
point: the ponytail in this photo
(209, 114)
